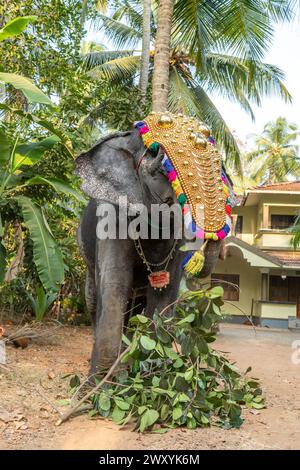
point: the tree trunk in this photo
(162, 56)
(144, 77)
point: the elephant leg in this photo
(114, 272)
(90, 296)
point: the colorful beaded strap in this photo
(194, 168)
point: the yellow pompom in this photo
(211, 236)
(195, 264)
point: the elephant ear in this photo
(108, 169)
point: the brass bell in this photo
(195, 185)
(165, 120)
(186, 163)
(200, 141)
(204, 129)
(190, 174)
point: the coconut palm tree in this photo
(161, 71)
(145, 57)
(276, 154)
(216, 47)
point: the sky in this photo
(285, 53)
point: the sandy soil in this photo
(33, 382)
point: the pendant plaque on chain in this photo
(159, 280)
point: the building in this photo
(261, 260)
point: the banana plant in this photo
(40, 302)
(15, 158)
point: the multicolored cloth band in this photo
(196, 174)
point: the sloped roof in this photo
(278, 258)
(285, 186)
(260, 258)
(287, 258)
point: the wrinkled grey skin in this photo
(114, 268)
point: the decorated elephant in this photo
(166, 159)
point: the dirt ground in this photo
(32, 383)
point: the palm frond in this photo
(118, 33)
(282, 10)
(119, 69)
(245, 28)
(95, 59)
(193, 27)
(250, 79)
(131, 12)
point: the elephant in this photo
(120, 165)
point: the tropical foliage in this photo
(25, 138)
(276, 155)
(174, 378)
(216, 47)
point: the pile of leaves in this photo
(173, 377)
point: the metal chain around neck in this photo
(141, 253)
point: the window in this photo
(230, 284)
(281, 222)
(284, 290)
(239, 225)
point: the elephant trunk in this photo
(211, 253)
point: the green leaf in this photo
(155, 381)
(204, 419)
(34, 151)
(215, 292)
(142, 319)
(257, 406)
(16, 27)
(147, 343)
(159, 349)
(141, 409)
(122, 404)
(171, 353)
(5, 147)
(118, 414)
(163, 335)
(188, 319)
(177, 413)
(32, 92)
(178, 363)
(201, 345)
(164, 412)
(148, 419)
(59, 185)
(191, 423)
(46, 254)
(189, 374)
(45, 124)
(75, 381)
(126, 340)
(104, 402)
